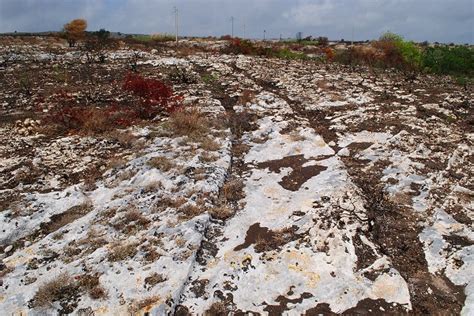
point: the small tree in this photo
(74, 31)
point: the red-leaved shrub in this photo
(155, 95)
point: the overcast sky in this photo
(432, 20)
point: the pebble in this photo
(8, 249)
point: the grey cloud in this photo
(433, 20)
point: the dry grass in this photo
(295, 136)
(115, 163)
(153, 279)
(59, 220)
(216, 309)
(189, 122)
(119, 252)
(222, 212)
(274, 240)
(191, 210)
(147, 302)
(162, 163)
(166, 202)
(88, 282)
(232, 190)
(208, 157)
(125, 138)
(150, 253)
(246, 97)
(59, 287)
(153, 187)
(132, 222)
(209, 144)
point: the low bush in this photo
(163, 37)
(288, 54)
(155, 95)
(458, 60)
(56, 289)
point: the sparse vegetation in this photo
(189, 122)
(122, 251)
(232, 190)
(162, 163)
(143, 173)
(217, 308)
(59, 288)
(153, 279)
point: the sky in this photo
(419, 20)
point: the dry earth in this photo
(316, 189)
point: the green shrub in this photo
(399, 53)
(457, 60)
(288, 54)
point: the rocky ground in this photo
(312, 188)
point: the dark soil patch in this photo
(265, 239)
(458, 240)
(283, 304)
(376, 307)
(299, 174)
(395, 231)
(365, 254)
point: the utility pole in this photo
(352, 42)
(232, 20)
(176, 23)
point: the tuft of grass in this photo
(191, 210)
(209, 144)
(121, 252)
(217, 308)
(209, 78)
(54, 290)
(132, 222)
(91, 284)
(147, 302)
(189, 122)
(232, 190)
(153, 279)
(98, 293)
(59, 220)
(222, 212)
(162, 163)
